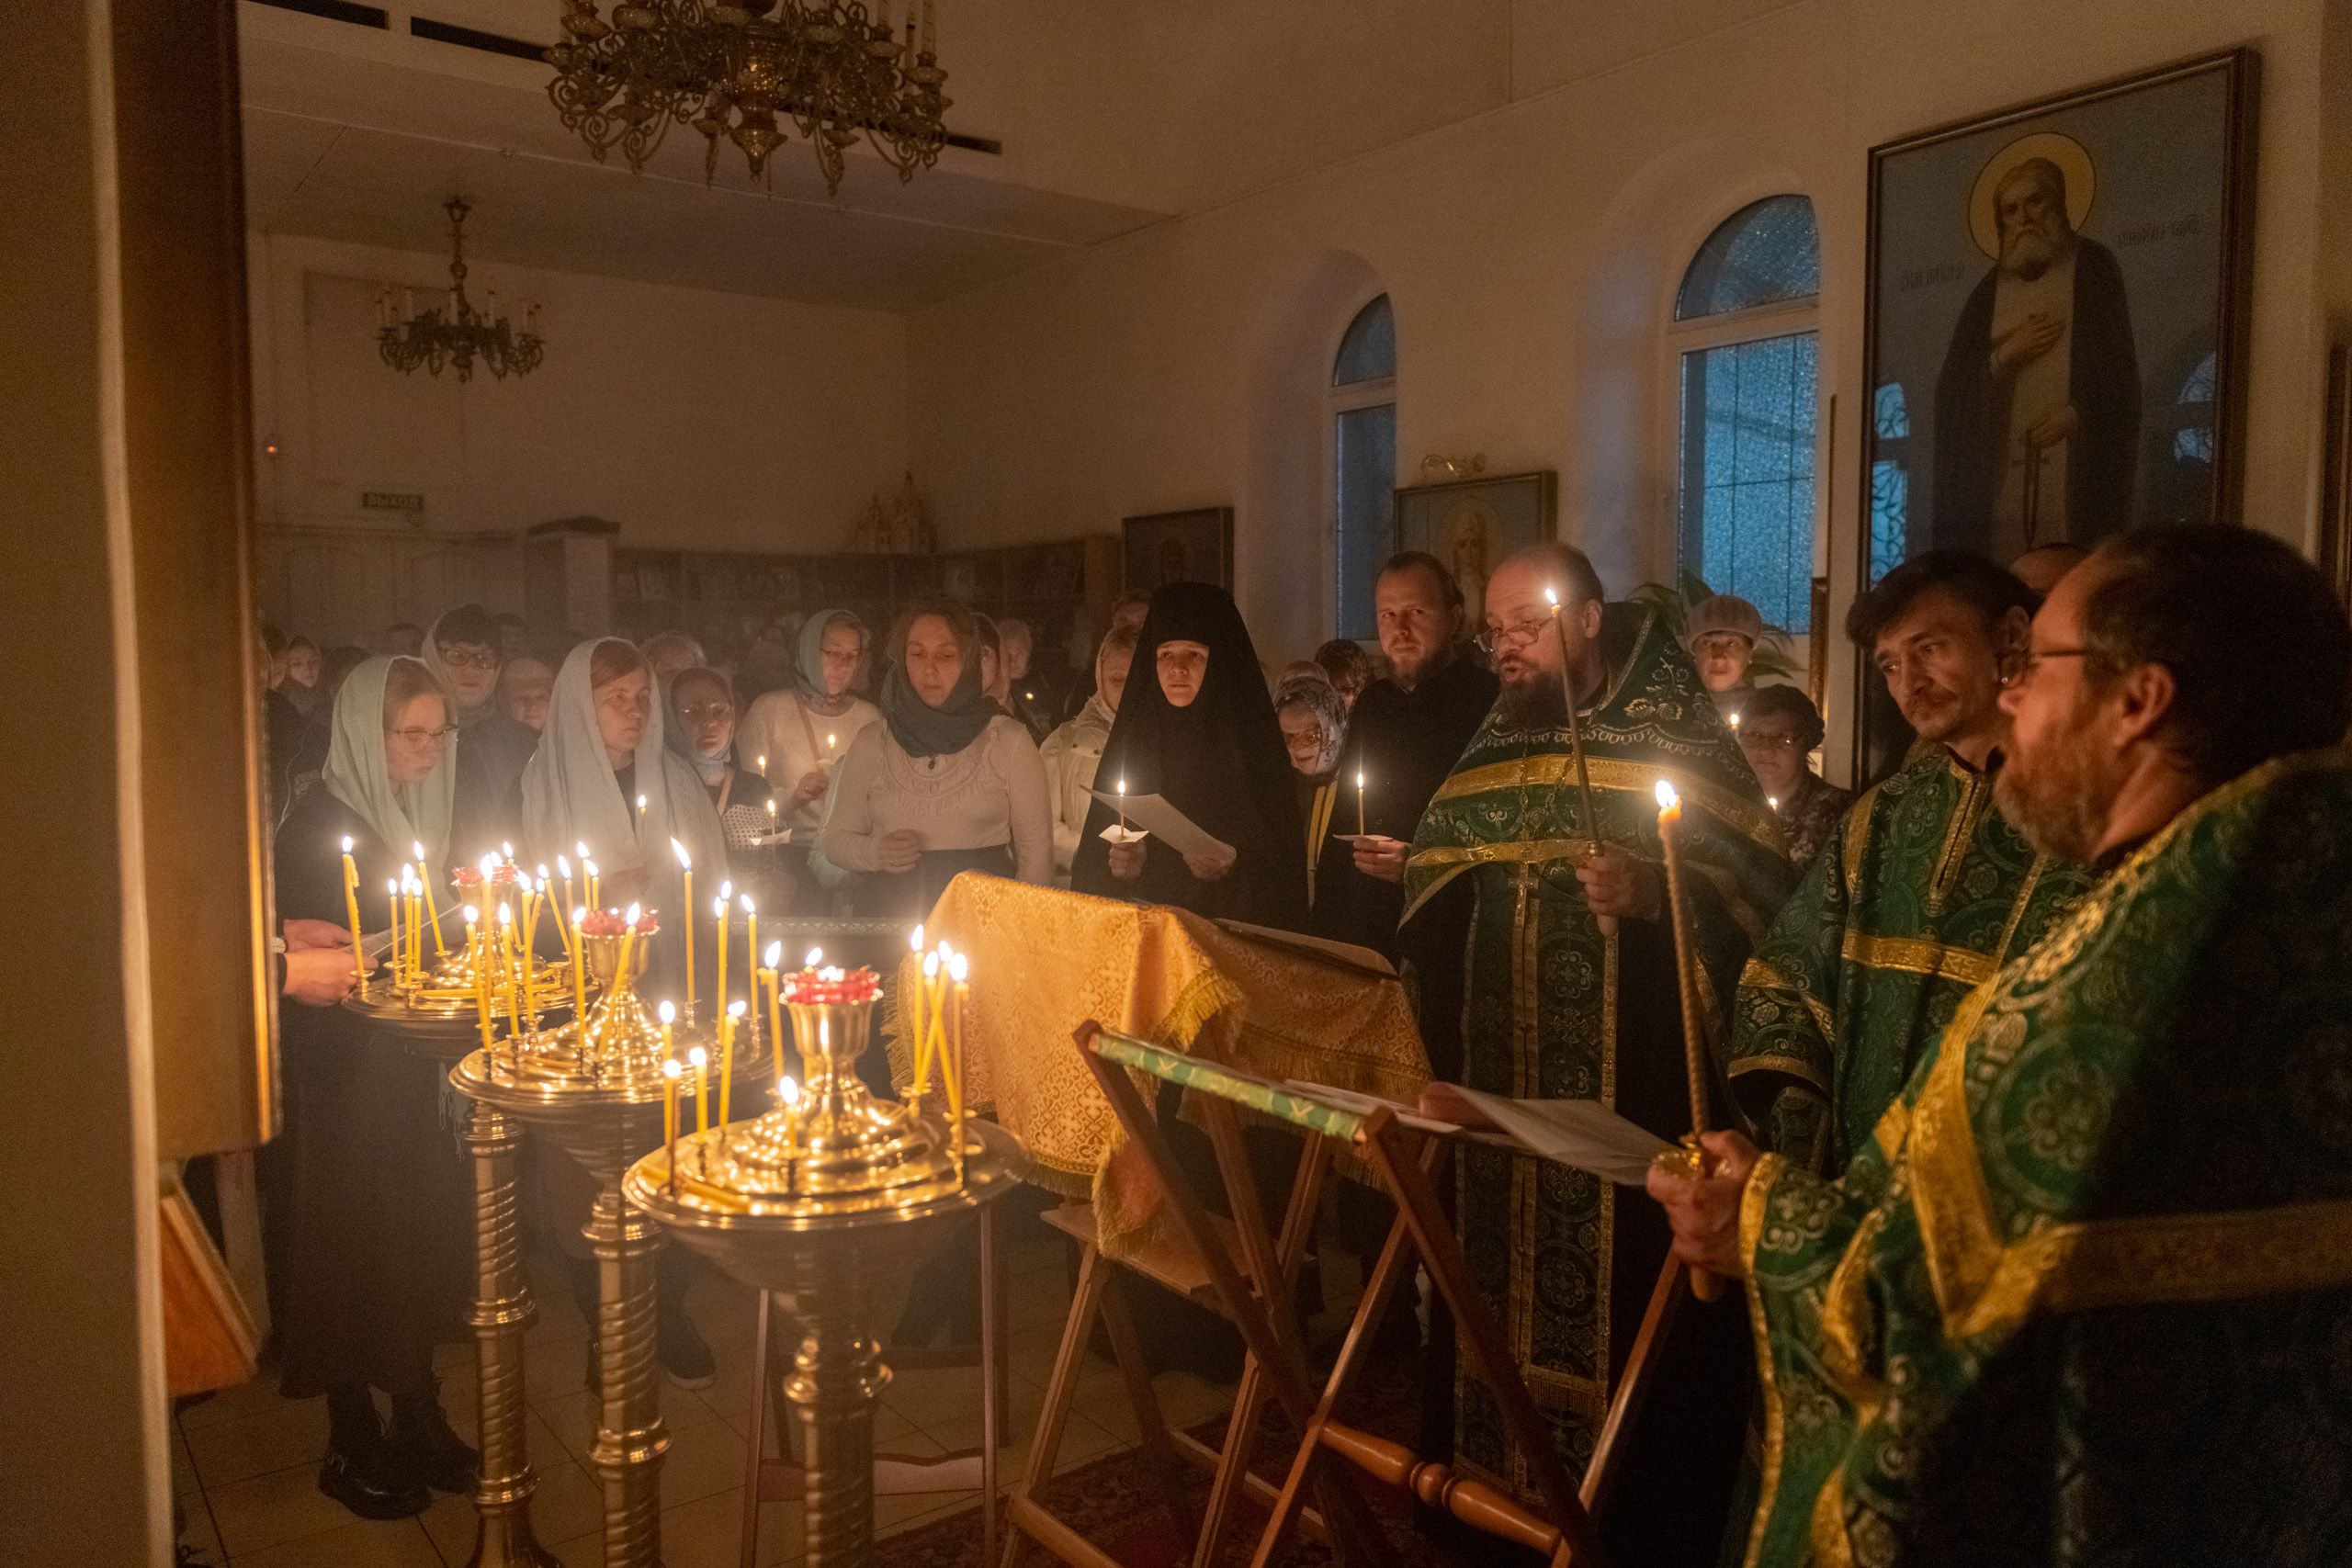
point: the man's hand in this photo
(899, 850)
(318, 976)
(1127, 861)
(1621, 885)
(1211, 866)
(301, 936)
(2026, 341)
(1704, 1210)
(2052, 427)
(812, 784)
(1381, 857)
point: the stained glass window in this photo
(1766, 253)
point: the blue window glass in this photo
(1364, 462)
(2193, 442)
(1766, 253)
(1746, 494)
(1890, 480)
(1368, 349)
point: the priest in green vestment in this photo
(2084, 1297)
(1923, 893)
(1555, 1007)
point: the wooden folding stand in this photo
(781, 1478)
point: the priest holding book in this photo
(1551, 816)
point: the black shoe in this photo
(683, 1354)
(422, 1439)
(374, 1485)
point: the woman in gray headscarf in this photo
(364, 1214)
(604, 777)
(796, 736)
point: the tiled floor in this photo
(246, 1461)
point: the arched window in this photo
(1363, 462)
(1744, 342)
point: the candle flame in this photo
(1667, 799)
(672, 1067)
(1551, 598)
(667, 1013)
(914, 940)
(1123, 783)
(763, 761)
(1773, 801)
(563, 867)
(735, 1008)
(543, 872)
(789, 1092)
(418, 845)
(578, 915)
(726, 890)
(393, 887)
(1734, 724)
(347, 843)
(640, 806)
(774, 954)
(505, 915)
(506, 849)
(589, 866)
(697, 1058)
(816, 956)
(633, 911)
(718, 907)
(1359, 778)
(960, 968)
(744, 904)
(930, 966)
(581, 848)
(472, 914)
(684, 860)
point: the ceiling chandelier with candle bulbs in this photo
(459, 335)
(834, 70)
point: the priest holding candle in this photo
(1558, 1005)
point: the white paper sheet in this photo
(1580, 1132)
(1153, 814)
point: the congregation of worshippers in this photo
(2024, 1194)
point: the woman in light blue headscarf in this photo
(365, 1195)
(601, 754)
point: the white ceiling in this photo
(1112, 115)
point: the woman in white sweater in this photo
(1074, 752)
(795, 735)
(946, 783)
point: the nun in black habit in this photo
(1197, 726)
(368, 1193)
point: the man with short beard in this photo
(2037, 406)
(1920, 894)
(1559, 1005)
(2082, 1297)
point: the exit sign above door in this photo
(391, 501)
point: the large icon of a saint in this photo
(1465, 541)
(2038, 402)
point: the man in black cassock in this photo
(1403, 736)
(2038, 402)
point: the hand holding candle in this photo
(1690, 982)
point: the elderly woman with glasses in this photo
(365, 1198)
(1777, 730)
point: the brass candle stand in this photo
(593, 1089)
(812, 1203)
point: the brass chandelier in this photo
(464, 334)
(834, 68)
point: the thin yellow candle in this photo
(399, 954)
(671, 1069)
(432, 906)
(579, 977)
(1706, 1286)
(588, 869)
(687, 865)
(751, 943)
(925, 993)
(952, 1068)
(763, 764)
(1358, 803)
(789, 1091)
(412, 888)
(1122, 805)
(718, 914)
(482, 974)
(640, 814)
(563, 869)
(772, 828)
(914, 1006)
(726, 1057)
(775, 1006)
(628, 941)
(699, 1059)
(351, 906)
(546, 891)
(506, 950)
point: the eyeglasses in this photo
(1764, 740)
(1516, 635)
(2025, 661)
(423, 737)
(703, 712)
(468, 658)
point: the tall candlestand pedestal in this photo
(816, 1203)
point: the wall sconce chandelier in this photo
(834, 68)
(463, 334)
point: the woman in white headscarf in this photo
(365, 1211)
(604, 777)
(795, 735)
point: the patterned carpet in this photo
(1116, 1501)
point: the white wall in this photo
(690, 418)
(1531, 253)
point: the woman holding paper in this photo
(364, 1200)
(1196, 729)
(946, 783)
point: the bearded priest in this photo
(2083, 1296)
(1571, 994)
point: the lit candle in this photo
(1734, 726)
(431, 905)
(719, 913)
(751, 946)
(579, 977)
(1773, 801)
(482, 974)
(726, 1057)
(628, 941)
(789, 1091)
(687, 865)
(1122, 805)
(699, 1059)
(588, 870)
(775, 1007)
(351, 906)
(399, 954)
(1358, 803)
(952, 1069)
(1706, 1286)
(830, 751)
(924, 992)
(506, 948)
(763, 764)
(816, 956)
(563, 868)
(413, 885)
(771, 816)
(914, 1006)
(669, 1071)
(640, 814)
